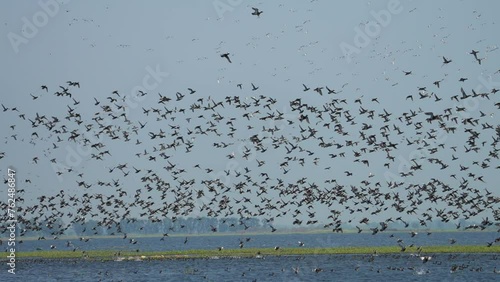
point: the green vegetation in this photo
(250, 252)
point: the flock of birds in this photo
(275, 145)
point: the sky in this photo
(165, 47)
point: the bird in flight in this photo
(446, 61)
(331, 91)
(226, 55)
(474, 53)
(256, 12)
(437, 83)
(319, 90)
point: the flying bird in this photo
(446, 61)
(256, 12)
(226, 55)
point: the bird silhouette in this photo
(226, 55)
(446, 61)
(256, 12)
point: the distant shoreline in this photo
(109, 255)
(256, 233)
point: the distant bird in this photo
(226, 55)
(446, 61)
(474, 53)
(425, 258)
(305, 87)
(256, 12)
(179, 96)
(319, 90)
(317, 269)
(331, 91)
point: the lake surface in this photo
(399, 267)
(266, 241)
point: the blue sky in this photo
(108, 46)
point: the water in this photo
(399, 267)
(266, 241)
(470, 267)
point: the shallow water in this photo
(469, 267)
(266, 241)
